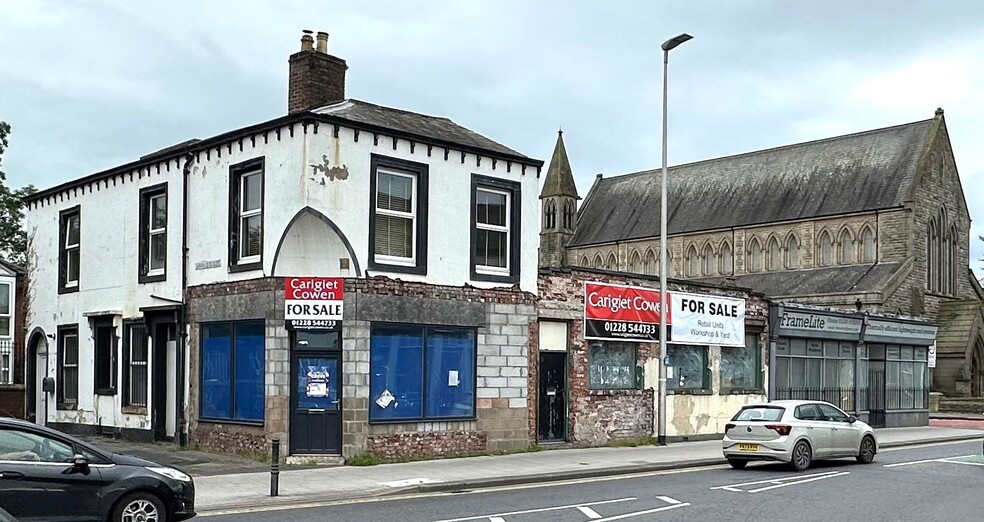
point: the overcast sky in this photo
(92, 84)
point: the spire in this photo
(560, 179)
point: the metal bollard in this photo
(275, 469)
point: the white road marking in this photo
(897, 464)
(784, 484)
(646, 512)
(588, 512)
(670, 500)
(540, 510)
(774, 480)
(948, 461)
(496, 519)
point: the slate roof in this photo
(958, 321)
(434, 127)
(830, 280)
(854, 173)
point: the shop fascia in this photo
(797, 321)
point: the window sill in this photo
(245, 267)
(400, 269)
(417, 421)
(151, 278)
(258, 424)
(690, 392)
(67, 406)
(68, 289)
(134, 410)
(741, 391)
(494, 278)
(105, 391)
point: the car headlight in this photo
(171, 473)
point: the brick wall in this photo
(230, 438)
(435, 444)
(315, 79)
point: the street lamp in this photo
(667, 46)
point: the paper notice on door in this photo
(385, 399)
(669, 372)
(453, 379)
(317, 381)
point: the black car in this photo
(47, 475)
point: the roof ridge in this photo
(405, 111)
(770, 149)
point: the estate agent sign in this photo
(622, 313)
(313, 302)
(706, 319)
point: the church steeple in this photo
(558, 201)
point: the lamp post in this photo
(667, 46)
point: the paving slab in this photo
(195, 463)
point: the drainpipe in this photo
(181, 427)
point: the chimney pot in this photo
(307, 42)
(322, 42)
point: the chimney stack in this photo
(316, 77)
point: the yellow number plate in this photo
(748, 447)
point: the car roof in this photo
(20, 423)
(783, 403)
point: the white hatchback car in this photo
(797, 433)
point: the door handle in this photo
(11, 475)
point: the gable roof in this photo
(354, 113)
(960, 324)
(858, 172)
(848, 279)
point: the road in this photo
(926, 483)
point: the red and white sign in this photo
(310, 301)
(622, 312)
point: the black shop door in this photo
(316, 399)
(552, 404)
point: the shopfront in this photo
(873, 366)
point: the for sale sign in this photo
(313, 302)
(623, 313)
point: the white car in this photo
(797, 433)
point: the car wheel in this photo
(802, 456)
(866, 453)
(738, 464)
(140, 507)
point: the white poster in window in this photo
(932, 355)
(705, 319)
(385, 399)
(317, 382)
(453, 379)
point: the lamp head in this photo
(670, 44)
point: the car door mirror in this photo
(80, 462)
(852, 419)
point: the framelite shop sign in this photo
(623, 313)
(313, 302)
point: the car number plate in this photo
(748, 447)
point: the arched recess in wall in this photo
(707, 264)
(693, 261)
(773, 254)
(313, 245)
(585, 262)
(612, 262)
(598, 262)
(635, 262)
(792, 251)
(652, 262)
(754, 255)
(825, 247)
(867, 240)
(845, 246)
(727, 264)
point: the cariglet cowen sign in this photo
(622, 313)
(313, 302)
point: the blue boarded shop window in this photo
(233, 371)
(421, 373)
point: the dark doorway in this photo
(31, 377)
(162, 384)
(316, 393)
(552, 407)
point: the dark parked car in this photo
(47, 475)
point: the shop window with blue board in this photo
(421, 373)
(232, 371)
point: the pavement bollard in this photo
(275, 469)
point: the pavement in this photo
(218, 493)
(912, 483)
(195, 463)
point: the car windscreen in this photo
(760, 414)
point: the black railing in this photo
(889, 399)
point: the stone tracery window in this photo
(707, 260)
(825, 247)
(792, 252)
(635, 262)
(941, 250)
(868, 253)
(774, 255)
(652, 263)
(845, 247)
(727, 264)
(754, 255)
(693, 262)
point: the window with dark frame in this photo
(135, 367)
(232, 371)
(69, 236)
(495, 231)
(105, 339)
(688, 368)
(398, 215)
(611, 365)
(68, 367)
(153, 234)
(6, 314)
(246, 197)
(421, 373)
(740, 367)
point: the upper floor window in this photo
(398, 215)
(652, 263)
(693, 262)
(612, 263)
(707, 260)
(941, 250)
(246, 216)
(754, 255)
(635, 262)
(775, 254)
(569, 215)
(727, 259)
(153, 233)
(6, 314)
(845, 247)
(495, 229)
(549, 215)
(69, 240)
